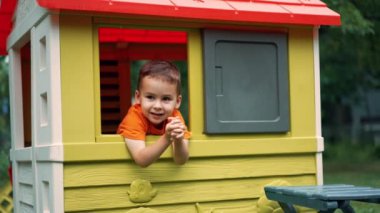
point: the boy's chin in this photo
(157, 122)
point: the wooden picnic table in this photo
(325, 198)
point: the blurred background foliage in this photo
(5, 135)
(350, 95)
(350, 73)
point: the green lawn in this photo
(363, 174)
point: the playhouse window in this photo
(246, 82)
(122, 51)
(25, 62)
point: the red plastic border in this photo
(299, 12)
(305, 12)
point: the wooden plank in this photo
(330, 192)
(323, 197)
(93, 198)
(122, 172)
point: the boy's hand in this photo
(175, 130)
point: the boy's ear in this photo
(178, 102)
(137, 97)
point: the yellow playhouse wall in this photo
(225, 172)
(77, 80)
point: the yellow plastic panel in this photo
(240, 206)
(195, 84)
(301, 75)
(92, 198)
(198, 148)
(77, 79)
(122, 172)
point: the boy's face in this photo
(158, 99)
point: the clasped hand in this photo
(175, 130)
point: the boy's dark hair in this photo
(163, 70)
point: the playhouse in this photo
(251, 100)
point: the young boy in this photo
(155, 112)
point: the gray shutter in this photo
(246, 82)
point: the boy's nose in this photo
(157, 104)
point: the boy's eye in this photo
(167, 99)
(150, 97)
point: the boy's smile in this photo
(158, 99)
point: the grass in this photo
(356, 165)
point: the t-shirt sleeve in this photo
(178, 114)
(133, 126)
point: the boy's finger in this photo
(178, 136)
(177, 126)
(178, 129)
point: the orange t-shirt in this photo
(136, 126)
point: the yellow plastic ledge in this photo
(102, 151)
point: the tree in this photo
(349, 53)
(4, 122)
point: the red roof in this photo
(309, 12)
(300, 12)
(7, 8)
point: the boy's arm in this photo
(181, 151)
(145, 155)
(175, 129)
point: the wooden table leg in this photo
(327, 211)
(288, 208)
(346, 207)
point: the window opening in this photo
(43, 54)
(26, 93)
(45, 196)
(43, 109)
(121, 54)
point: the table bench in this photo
(325, 198)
